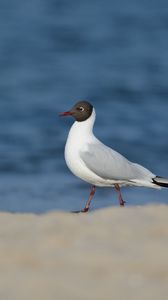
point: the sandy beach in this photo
(114, 253)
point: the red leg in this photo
(87, 206)
(121, 201)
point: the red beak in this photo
(66, 113)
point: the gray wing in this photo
(109, 164)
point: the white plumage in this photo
(91, 160)
(94, 162)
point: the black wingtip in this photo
(160, 181)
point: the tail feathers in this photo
(161, 181)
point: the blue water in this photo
(53, 53)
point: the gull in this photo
(99, 165)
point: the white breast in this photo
(79, 136)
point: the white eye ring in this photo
(81, 108)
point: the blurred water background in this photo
(56, 52)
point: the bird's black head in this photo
(81, 111)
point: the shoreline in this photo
(112, 252)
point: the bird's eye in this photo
(81, 108)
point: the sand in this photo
(114, 253)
